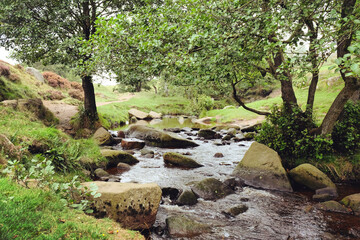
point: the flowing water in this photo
(270, 215)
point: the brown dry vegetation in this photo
(77, 94)
(56, 81)
(4, 70)
(54, 95)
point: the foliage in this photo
(38, 214)
(346, 135)
(288, 134)
(42, 171)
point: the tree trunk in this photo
(288, 94)
(89, 98)
(336, 108)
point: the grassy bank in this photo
(37, 214)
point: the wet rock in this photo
(133, 205)
(129, 144)
(99, 172)
(311, 177)
(249, 136)
(325, 194)
(121, 134)
(218, 143)
(251, 128)
(208, 134)
(145, 151)
(153, 115)
(180, 160)
(187, 197)
(138, 114)
(353, 202)
(114, 157)
(170, 192)
(234, 183)
(117, 140)
(123, 166)
(261, 168)
(332, 206)
(227, 137)
(182, 226)
(234, 211)
(232, 132)
(205, 120)
(218, 155)
(159, 138)
(174, 130)
(133, 120)
(103, 137)
(113, 179)
(211, 189)
(130, 152)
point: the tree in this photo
(236, 41)
(52, 31)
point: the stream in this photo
(270, 214)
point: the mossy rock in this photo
(102, 137)
(180, 160)
(158, 138)
(311, 177)
(208, 134)
(353, 202)
(187, 197)
(234, 211)
(261, 168)
(211, 189)
(182, 226)
(332, 206)
(114, 157)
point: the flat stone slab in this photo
(138, 114)
(133, 205)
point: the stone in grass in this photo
(211, 189)
(182, 226)
(180, 160)
(102, 137)
(187, 197)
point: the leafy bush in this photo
(201, 103)
(288, 134)
(346, 134)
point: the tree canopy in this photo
(235, 42)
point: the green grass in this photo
(145, 102)
(38, 214)
(22, 128)
(105, 93)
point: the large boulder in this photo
(187, 197)
(114, 157)
(261, 168)
(36, 73)
(180, 160)
(182, 226)
(311, 177)
(158, 138)
(211, 189)
(133, 112)
(353, 202)
(133, 205)
(103, 137)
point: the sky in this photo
(4, 55)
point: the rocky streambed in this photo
(240, 212)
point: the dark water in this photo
(271, 215)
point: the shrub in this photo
(76, 85)
(77, 94)
(4, 70)
(346, 134)
(14, 78)
(288, 134)
(54, 95)
(56, 81)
